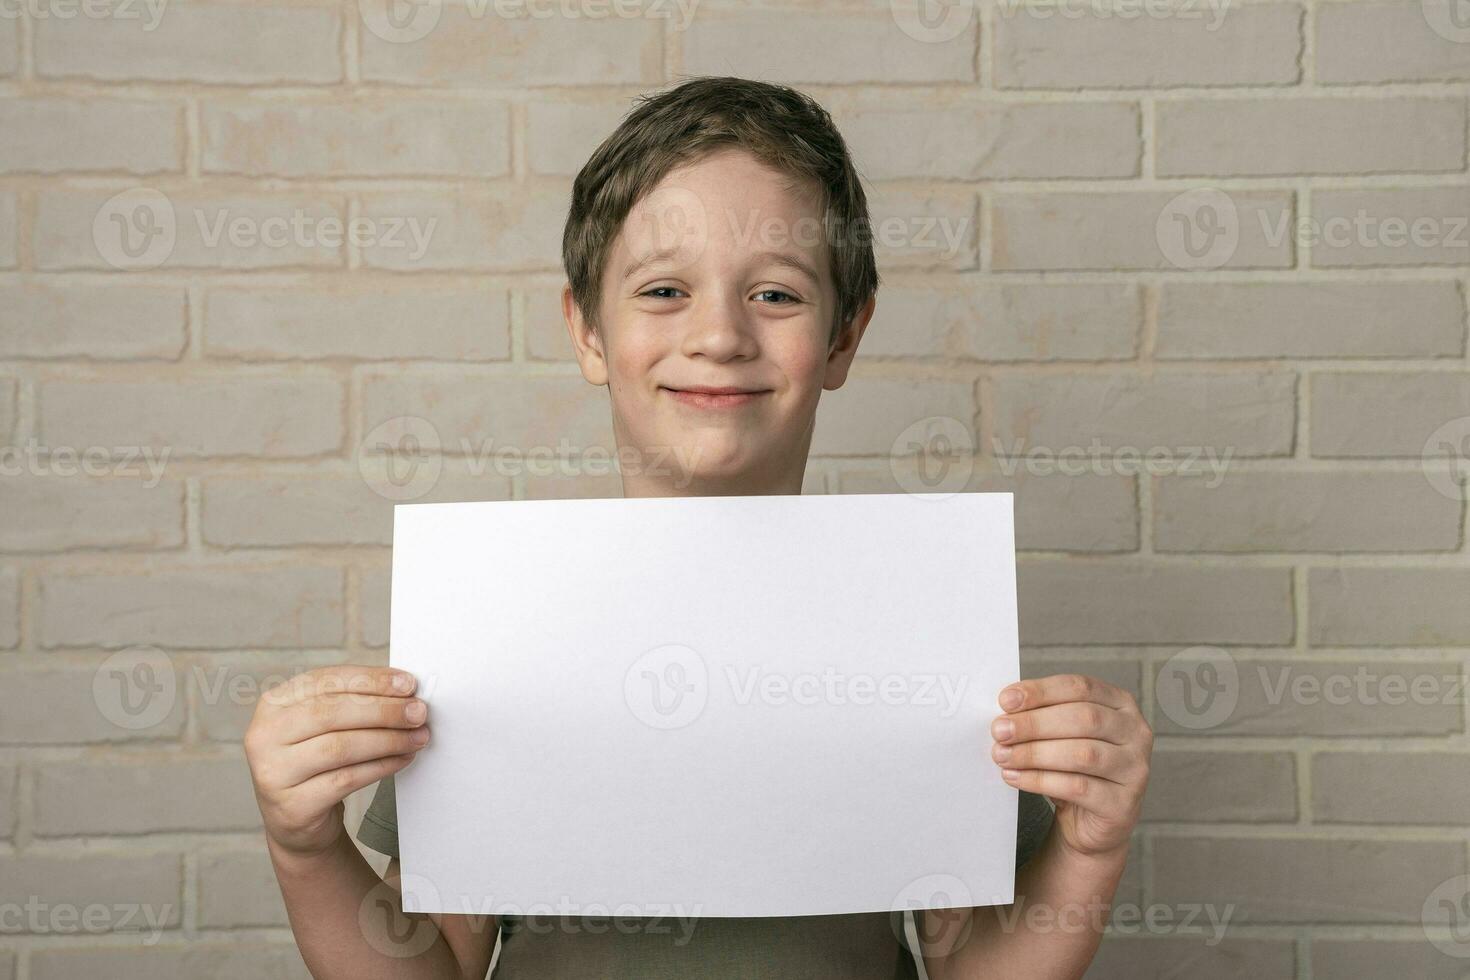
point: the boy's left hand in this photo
(1082, 742)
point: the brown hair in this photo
(780, 126)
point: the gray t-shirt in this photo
(841, 947)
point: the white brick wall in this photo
(1227, 242)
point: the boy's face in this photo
(717, 311)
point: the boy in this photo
(719, 281)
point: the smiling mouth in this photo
(715, 398)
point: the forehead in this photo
(727, 206)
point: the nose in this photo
(720, 330)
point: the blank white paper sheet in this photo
(731, 706)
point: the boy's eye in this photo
(776, 296)
(661, 292)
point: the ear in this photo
(845, 347)
(585, 341)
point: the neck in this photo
(784, 479)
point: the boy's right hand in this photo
(322, 735)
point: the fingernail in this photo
(1001, 753)
(1010, 775)
(1010, 698)
(403, 682)
(420, 736)
(1003, 729)
(416, 712)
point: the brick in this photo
(471, 46)
(1318, 511)
(9, 46)
(88, 321)
(1253, 45)
(8, 226)
(487, 415)
(208, 607)
(1299, 880)
(358, 322)
(1309, 319)
(909, 138)
(196, 417)
(505, 228)
(139, 893)
(1390, 42)
(8, 393)
(327, 510)
(1053, 512)
(7, 961)
(68, 136)
(1271, 137)
(56, 512)
(1384, 414)
(1064, 602)
(1351, 698)
(933, 229)
(867, 416)
(1193, 957)
(562, 132)
(395, 139)
(545, 326)
(1392, 227)
(239, 889)
(142, 797)
(1245, 414)
(256, 960)
(1373, 959)
(61, 707)
(9, 776)
(221, 44)
(9, 608)
(1407, 787)
(1389, 606)
(862, 46)
(244, 231)
(373, 596)
(1085, 231)
(225, 694)
(1007, 322)
(1249, 787)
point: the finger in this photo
(1085, 755)
(1060, 689)
(337, 749)
(1088, 792)
(341, 679)
(329, 788)
(1075, 719)
(342, 712)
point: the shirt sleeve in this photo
(1033, 822)
(379, 827)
